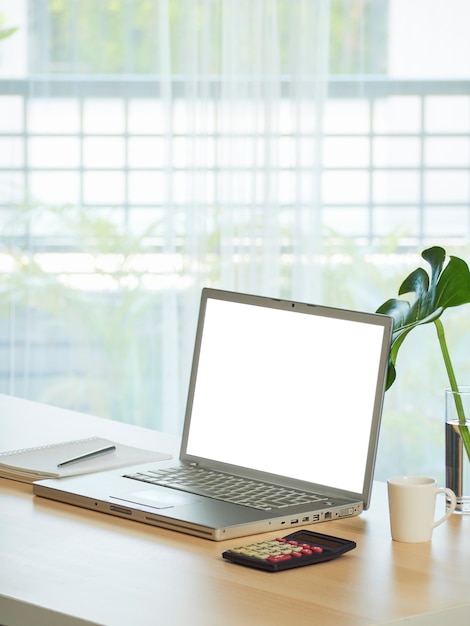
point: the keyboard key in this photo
(234, 489)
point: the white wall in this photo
(429, 39)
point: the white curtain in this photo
(244, 177)
(246, 171)
(209, 174)
(307, 149)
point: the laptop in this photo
(281, 425)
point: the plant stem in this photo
(463, 428)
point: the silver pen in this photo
(88, 455)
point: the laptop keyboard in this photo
(221, 486)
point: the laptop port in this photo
(120, 509)
(328, 515)
(294, 521)
(306, 518)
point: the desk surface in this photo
(63, 565)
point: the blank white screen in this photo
(286, 393)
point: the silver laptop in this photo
(281, 426)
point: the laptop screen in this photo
(288, 389)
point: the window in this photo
(298, 148)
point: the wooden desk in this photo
(61, 565)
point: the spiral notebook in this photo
(33, 464)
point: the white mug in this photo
(412, 504)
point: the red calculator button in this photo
(306, 551)
(293, 543)
(317, 549)
(296, 555)
(275, 558)
(281, 540)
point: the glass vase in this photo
(457, 460)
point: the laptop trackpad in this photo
(158, 498)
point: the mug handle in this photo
(453, 503)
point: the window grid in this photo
(373, 96)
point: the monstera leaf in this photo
(448, 286)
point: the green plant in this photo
(5, 32)
(94, 314)
(449, 286)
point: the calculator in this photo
(295, 550)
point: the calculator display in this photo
(326, 541)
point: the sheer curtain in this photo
(243, 133)
(149, 168)
(296, 148)
(250, 109)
